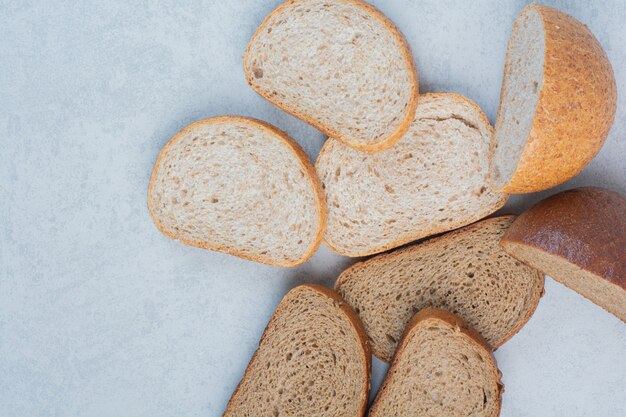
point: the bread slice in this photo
(442, 368)
(577, 237)
(339, 65)
(313, 360)
(239, 186)
(557, 102)
(465, 272)
(432, 181)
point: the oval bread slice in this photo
(432, 181)
(557, 102)
(240, 186)
(577, 237)
(313, 361)
(339, 65)
(443, 367)
(465, 272)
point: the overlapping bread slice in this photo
(240, 186)
(465, 272)
(340, 65)
(442, 367)
(432, 181)
(313, 361)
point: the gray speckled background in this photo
(100, 315)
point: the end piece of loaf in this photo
(339, 65)
(313, 361)
(240, 186)
(442, 368)
(432, 181)
(577, 237)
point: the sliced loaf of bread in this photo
(577, 237)
(239, 186)
(557, 102)
(340, 65)
(442, 367)
(432, 181)
(313, 361)
(465, 272)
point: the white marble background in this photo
(100, 315)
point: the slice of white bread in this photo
(557, 102)
(339, 65)
(432, 181)
(577, 237)
(443, 367)
(313, 360)
(240, 186)
(464, 271)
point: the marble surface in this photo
(100, 315)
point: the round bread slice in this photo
(465, 272)
(443, 367)
(313, 361)
(577, 237)
(240, 186)
(432, 181)
(557, 102)
(339, 65)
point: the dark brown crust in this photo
(585, 226)
(406, 52)
(576, 106)
(300, 154)
(354, 320)
(460, 326)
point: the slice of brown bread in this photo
(432, 181)
(240, 186)
(340, 65)
(465, 272)
(442, 367)
(313, 360)
(577, 237)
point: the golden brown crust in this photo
(410, 238)
(328, 131)
(301, 156)
(575, 110)
(354, 320)
(453, 322)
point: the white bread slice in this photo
(240, 186)
(339, 65)
(442, 368)
(313, 360)
(432, 181)
(557, 102)
(464, 271)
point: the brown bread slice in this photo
(577, 237)
(313, 360)
(442, 367)
(465, 272)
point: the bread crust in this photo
(354, 320)
(575, 109)
(300, 155)
(432, 231)
(584, 226)
(383, 144)
(460, 326)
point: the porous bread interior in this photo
(523, 79)
(309, 363)
(431, 181)
(439, 372)
(236, 186)
(336, 64)
(465, 272)
(607, 295)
